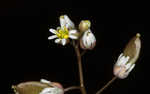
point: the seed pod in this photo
(33, 87)
(132, 49)
(126, 60)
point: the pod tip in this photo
(138, 35)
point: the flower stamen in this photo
(63, 33)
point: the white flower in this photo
(52, 90)
(64, 32)
(123, 67)
(88, 40)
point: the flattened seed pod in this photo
(34, 87)
(126, 60)
(132, 49)
(30, 87)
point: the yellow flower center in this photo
(63, 33)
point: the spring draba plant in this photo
(81, 38)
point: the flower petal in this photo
(53, 31)
(58, 27)
(62, 21)
(52, 37)
(84, 39)
(119, 61)
(73, 37)
(131, 68)
(64, 41)
(120, 55)
(45, 81)
(47, 91)
(128, 65)
(88, 40)
(57, 40)
(125, 60)
(72, 31)
(69, 22)
(93, 39)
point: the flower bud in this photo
(88, 40)
(84, 25)
(35, 87)
(126, 60)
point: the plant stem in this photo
(104, 87)
(82, 87)
(71, 88)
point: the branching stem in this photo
(77, 50)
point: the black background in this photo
(28, 55)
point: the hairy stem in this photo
(82, 87)
(104, 87)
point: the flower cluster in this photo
(126, 60)
(86, 40)
(67, 30)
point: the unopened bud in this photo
(88, 40)
(84, 25)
